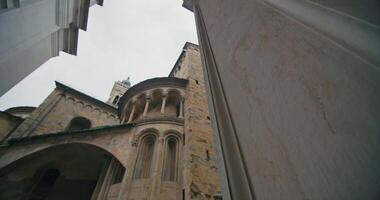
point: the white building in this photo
(32, 31)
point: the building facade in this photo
(294, 94)
(156, 143)
(33, 31)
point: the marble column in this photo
(181, 108)
(132, 113)
(146, 107)
(163, 104)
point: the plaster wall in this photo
(304, 107)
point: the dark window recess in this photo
(116, 99)
(207, 155)
(145, 157)
(170, 163)
(178, 108)
(183, 194)
(79, 123)
(45, 185)
(208, 117)
(196, 81)
(119, 174)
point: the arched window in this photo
(170, 160)
(78, 123)
(45, 185)
(116, 99)
(145, 157)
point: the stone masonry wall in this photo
(58, 109)
(201, 178)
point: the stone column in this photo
(132, 113)
(146, 106)
(163, 104)
(105, 180)
(181, 108)
(157, 169)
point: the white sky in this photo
(141, 39)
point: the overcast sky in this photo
(141, 39)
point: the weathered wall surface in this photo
(78, 156)
(115, 141)
(58, 109)
(305, 108)
(7, 124)
(201, 178)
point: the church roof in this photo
(85, 96)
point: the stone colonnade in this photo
(141, 104)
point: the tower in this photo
(118, 90)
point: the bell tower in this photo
(119, 88)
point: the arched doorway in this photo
(69, 171)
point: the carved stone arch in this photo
(104, 114)
(78, 123)
(70, 99)
(171, 156)
(54, 156)
(16, 156)
(96, 110)
(79, 103)
(174, 100)
(88, 107)
(173, 133)
(146, 150)
(147, 131)
(140, 103)
(156, 100)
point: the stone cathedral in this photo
(149, 141)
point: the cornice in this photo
(77, 133)
(189, 4)
(160, 120)
(97, 102)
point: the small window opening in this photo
(119, 174)
(78, 123)
(207, 155)
(196, 81)
(170, 163)
(178, 107)
(116, 99)
(145, 157)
